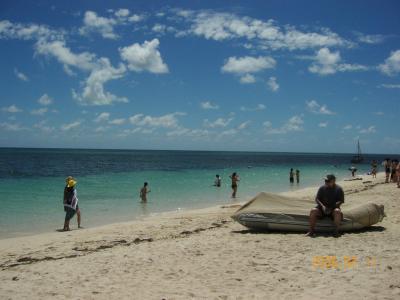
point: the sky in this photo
(291, 76)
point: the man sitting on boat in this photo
(329, 198)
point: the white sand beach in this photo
(204, 254)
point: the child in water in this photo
(217, 181)
(143, 192)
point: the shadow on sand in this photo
(322, 234)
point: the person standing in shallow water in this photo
(235, 179)
(291, 176)
(78, 211)
(297, 175)
(217, 181)
(143, 192)
(70, 203)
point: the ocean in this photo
(32, 182)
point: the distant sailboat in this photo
(358, 158)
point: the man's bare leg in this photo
(314, 214)
(78, 217)
(337, 218)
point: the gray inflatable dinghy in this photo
(275, 212)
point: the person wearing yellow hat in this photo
(70, 202)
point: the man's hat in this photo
(330, 177)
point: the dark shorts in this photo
(69, 213)
(324, 215)
(234, 186)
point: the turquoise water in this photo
(31, 184)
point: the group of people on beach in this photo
(392, 170)
(293, 174)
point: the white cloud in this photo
(247, 78)
(94, 23)
(208, 105)
(9, 30)
(391, 66)
(272, 84)
(11, 127)
(348, 127)
(327, 63)
(323, 124)
(193, 133)
(69, 126)
(268, 35)
(369, 130)
(165, 121)
(45, 100)
(100, 129)
(220, 122)
(104, 116)
(39, 111)
(314, 107)
(244, 125)
(370, 38)
(93, 92)
(20, 75)
(144, 57)
(11, 109)
(42, 125)
(294, 124)
(58, 49)
(390, 86)
(122, 12)
(117, 121)
(259, 107)
(379, 113)
(248, 64)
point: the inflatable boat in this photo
(275, 212)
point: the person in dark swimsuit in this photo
(235, 178)
(386, 166)
(78, 211)
(329, 199)
(291, 175)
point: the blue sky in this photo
(201, 75)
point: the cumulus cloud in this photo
(208, 105)
(144, 57)
(20, 75)
(11, 109)
(370, 38)
(69, 126)
(45, 100)
(327, 63)
(268, 34)
(248, 64)
(390, 86)
(259, 107)
(165, 121)
(244, 125)
(220, 122)
(368, 130)
(42, 125)
(58, 49)
(314, 107)
(102, 117)
(348, 127)
(9, 30)
(391, 66)
(39, 111)
(93, 92)
(94, 23)
(272, 84)
(117, 121)
(11, 126)
(295, 123)
(247, 78)
(323, 124)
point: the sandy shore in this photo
(203, 254)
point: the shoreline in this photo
(203, 253)
(290, 191)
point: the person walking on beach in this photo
(70, 202)
(78, 210)
(235, 179)
(329, 198)
(297, 175)
(291, 175)
(393, 170)
(217, 181)
(398, 174)
(353, 171)
(386, 166)
(143, 192)
(374, 166)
